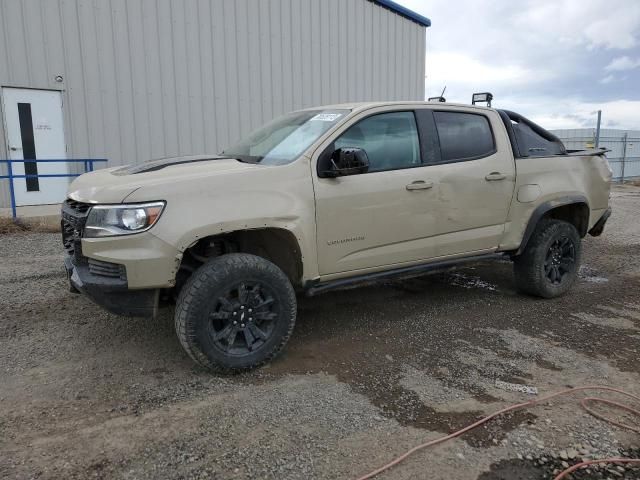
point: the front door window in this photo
(390, 140)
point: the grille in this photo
(67, 237)
(79, 207)
(74, 216)
(106, 269)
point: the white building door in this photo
(35, 130)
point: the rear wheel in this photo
(548, 267)
(236, 312)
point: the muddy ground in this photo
(368, 373)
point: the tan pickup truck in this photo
(324, 198)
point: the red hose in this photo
(591, 462)
(531, 403)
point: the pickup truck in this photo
(325, 198)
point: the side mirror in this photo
(347, 161)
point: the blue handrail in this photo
(88, 167)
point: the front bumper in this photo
(112, 294)
(122, 274)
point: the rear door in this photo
(473, 177)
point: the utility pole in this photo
(598, 128)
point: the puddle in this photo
(400, 392)
(421, 351)
(513, 469)
(538, 468)
(406, 407)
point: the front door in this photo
(34, 130)
(378, 218)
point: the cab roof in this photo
(358, 106)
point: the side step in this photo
(403, 272)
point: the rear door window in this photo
(464, 136)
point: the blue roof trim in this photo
(404, 11)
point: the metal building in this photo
(132, 80)
(624, 156)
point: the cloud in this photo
(613, 24)
(622, 63)
(552, 59)
(616, 28)
(518, 26)
(462, 69)
(552, 113)
(607, 79)
(464, 75)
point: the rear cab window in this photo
(528, 139)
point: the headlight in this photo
(110, 220)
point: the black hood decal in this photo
(153, 165)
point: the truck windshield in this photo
(283, 139)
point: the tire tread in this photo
(526, 267)
(215, 271)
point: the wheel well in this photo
(277, 245)
(576, 214)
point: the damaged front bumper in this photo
(111, 293)
(122, 274)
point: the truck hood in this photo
(114, 185)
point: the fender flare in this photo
(243, 232)
(541, 210)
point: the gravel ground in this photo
(368, 373)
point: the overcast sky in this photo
(555, 61)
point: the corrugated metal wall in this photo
(624, 156)
(154, 78)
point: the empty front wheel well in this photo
(277, 245)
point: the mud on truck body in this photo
(324, 198)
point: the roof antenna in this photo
(440, 98)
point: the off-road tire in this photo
(212, 280)
(529, 267)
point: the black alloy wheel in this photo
(549, 264)
(560, 260)
(242, 319)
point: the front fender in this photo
(279, 197)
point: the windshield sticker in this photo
(326, 117)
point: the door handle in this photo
(13, 149)
(420, 185)
(493, 176)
